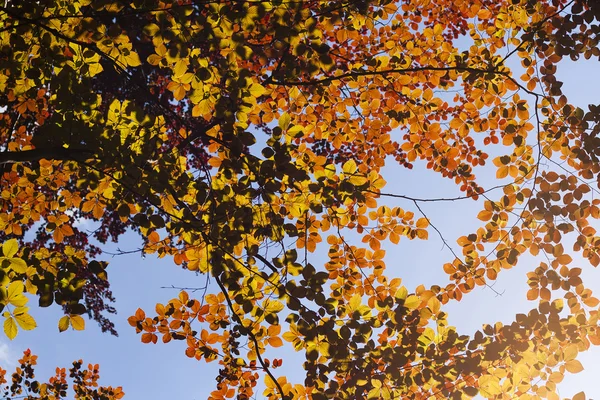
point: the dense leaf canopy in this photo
(239, 137)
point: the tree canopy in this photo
(238, 137)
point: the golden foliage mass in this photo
(241, 138)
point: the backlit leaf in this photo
(10, 328)
(63, 323)
(10, 248)
(25, 321)
(77, 322)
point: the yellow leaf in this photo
(180, 68)
(77, 322)
(570, 352)
(154, 59)
(94, 69)
(202, 108)
(18, 265)
(574, 366)
(349, 167)
(26, 321)
(15, 290)
(284, 121)
(434, 305)
(63, 323)
(401, 293)
(412, 302)
(10, 328)
(133, 60)
(256, 90)
(10, 247)
(151, 29)
(357, 180)
(272, 306)
(556, 377)
(489, 386)
(295, 131)
(354, 303)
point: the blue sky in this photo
(163, 371)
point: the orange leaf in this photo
(574, 366)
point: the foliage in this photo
(84, 383)
(237, 137)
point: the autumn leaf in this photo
(232, 137)
(579, 396)
(77, 322)
(10, 327)
(63, 323)
(25, 321)
(10, 248)
(574, 366)
(412, 302)
(284, 121)
(15, 294)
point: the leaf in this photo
(256, 90)
(284, 121)
(579, 396)
(10, 328)
(149, 337)
(422, 223)
(533, 293)
(401, 293)
(10, 248)
(94, 69)
(358, 180)
(77, 322)
(570, 352)
(18, 265)
(26, 321)
(412, 302)
(422, 234)
(14, 289)
(574, 366)
(180, 68)
(272, 306)
(63, 323)
(15, 294)
(132, 59)
(489, 386)
(349, 167)
(275, 341)
(485, 215)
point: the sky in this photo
(163, 371)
